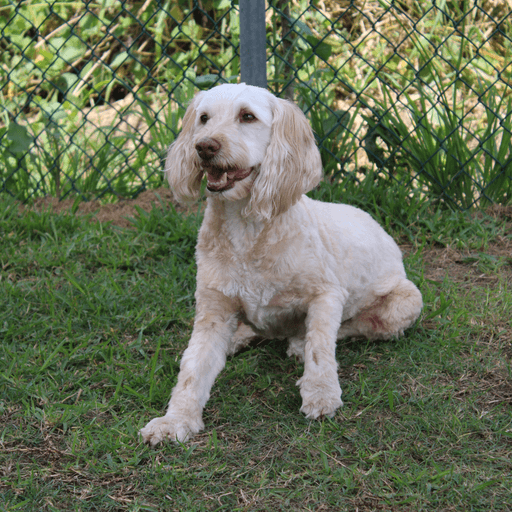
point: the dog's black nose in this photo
(207, 148)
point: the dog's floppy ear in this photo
(181, 166)
(292, 163)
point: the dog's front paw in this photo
(170, 427)
(319, 399)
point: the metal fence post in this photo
(253, 56)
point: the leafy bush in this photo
(415, 93)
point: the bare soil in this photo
(115, 213)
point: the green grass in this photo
(93, 320)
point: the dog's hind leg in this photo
(243, 336)
(296, 346)
(389, 312)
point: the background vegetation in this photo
(92, 93)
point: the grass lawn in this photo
(94, 318)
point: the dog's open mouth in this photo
(219, 180)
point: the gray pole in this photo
(253, 57)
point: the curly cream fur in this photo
(271, 261)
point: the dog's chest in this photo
(272, 306)
(261, 287)
(264, 281)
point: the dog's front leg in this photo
(214, 325)
(319, 386)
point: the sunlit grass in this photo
(93, 321)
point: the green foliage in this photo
(412, 92)
(434, 141)
(435, 149)
(53, 139)
(335, 130)
(62, 56)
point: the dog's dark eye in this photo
(247, 117)
(203, 118)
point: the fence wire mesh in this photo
(416, 92)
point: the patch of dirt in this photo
(465, 265)
(115, 213)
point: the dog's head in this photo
(248, 143)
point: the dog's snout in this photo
(207, 148)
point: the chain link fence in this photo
(410, 92)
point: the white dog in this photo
(271, 261)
